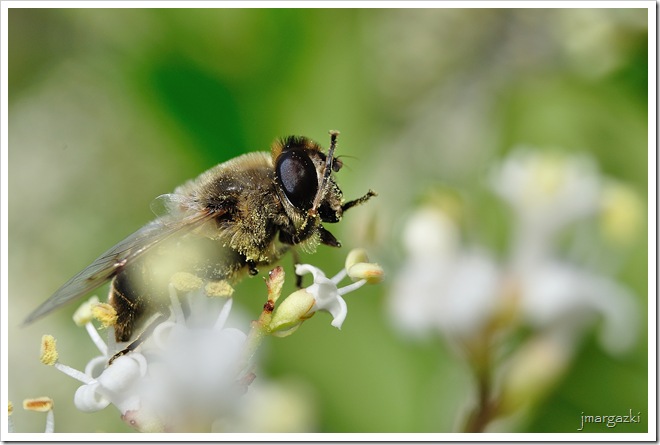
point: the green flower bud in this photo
(291, 312)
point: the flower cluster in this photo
(191, 372)
(478, 301)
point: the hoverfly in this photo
(232, 219)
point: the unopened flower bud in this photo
(291, 312)
(534, 370)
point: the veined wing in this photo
(115, 259)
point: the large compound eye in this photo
(297, 174)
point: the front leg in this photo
(158, 318)
(358, 201)
(328, 238)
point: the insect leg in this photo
(328, 238)
(140, 338)
(358, 201)
(296, 260)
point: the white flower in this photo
(117, 384)
(547, 191)
(459, 290)
(286, 405)
(189, 373)
(547, 188)
(559, 296)
(324, 294)
(327, 296)
(441, 286)
(192, 371)
(201, 367)
(429, 232)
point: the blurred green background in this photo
(109, 108)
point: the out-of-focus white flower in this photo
(441, 286)
(459, 290)
(429, 232)
(542, 185)
(477, 303)
(188, 373)
(203, 368)
(547, 191)
(280, 406)
(560, 296)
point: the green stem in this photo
(487, 405)
(258, 331)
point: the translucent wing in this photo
(114, 260)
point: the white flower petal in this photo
(326, 294)
(88, 399)
(430, 232)
(339, 310)
(547, 190)
(560, 294)
(120, 376)
(224, 314)
(455, 295)
(96, 366)
(470, 296)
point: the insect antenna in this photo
(323, 181)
